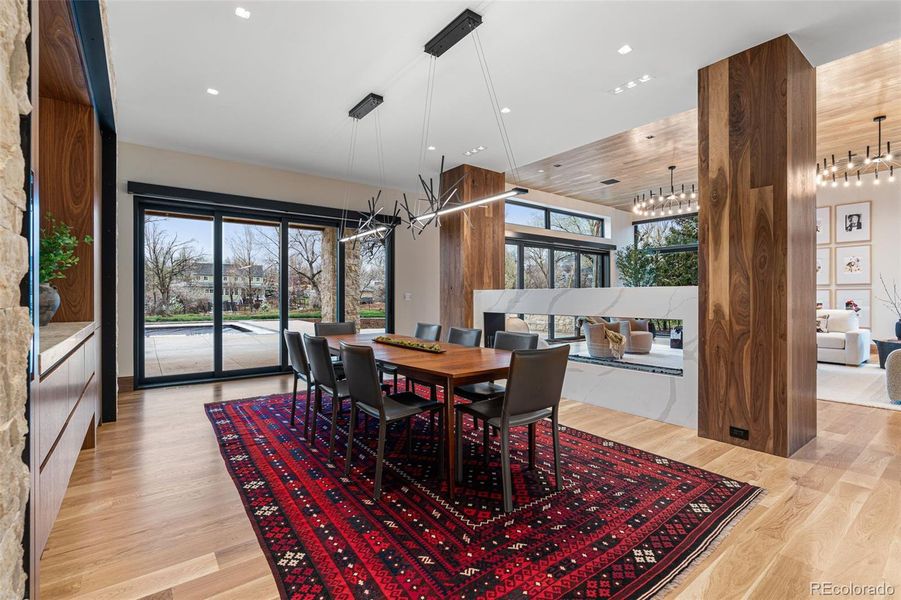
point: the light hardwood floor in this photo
(152, 511)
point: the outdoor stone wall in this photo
(15, 326)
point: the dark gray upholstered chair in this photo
(366, 396)
(323, 329)
(423, 331)
(324, 378)
(533, 394)
(503, 340)
(429, 332)
(464, 337)
(298, 360)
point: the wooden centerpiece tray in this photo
(411, 344)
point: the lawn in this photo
(257, 316)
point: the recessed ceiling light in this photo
(242, 12)
(644, 78)
(631, 84)
(480, 148)
(431, 147)
(467, 153)
(505, 110)
(212, 91)
(541, 170)
(625, 49)
(618, 90)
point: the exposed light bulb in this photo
(693, 195)
(242, 12)
(891, 179)
(682, 195)
(876, 181)
(834, 184)
(866, 161)
(859, 183)
(431, 147)
(888, 156)
(834, 168)
(212, 91)
(850, 165)
(625, 49)
(506, 110)
(847, 183)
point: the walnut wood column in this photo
(472, 249)
(757, 349)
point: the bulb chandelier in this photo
(845, 171)
(663, 203)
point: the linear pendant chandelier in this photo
(846, 170)
(662, 203)
(440, 203)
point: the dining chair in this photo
(532, 395)
(301, 367)
(503, 340)
(429, 332)
(324, 378)
(342, 328)
(423, 331)
(464, 337)
(368, 397)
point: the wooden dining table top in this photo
(457, 361)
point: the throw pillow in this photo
(822, 324)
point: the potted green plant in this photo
(893, 301)
(58, 245)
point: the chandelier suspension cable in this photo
(427, 109)
(379, 149)
(347, 173)
(495, 106)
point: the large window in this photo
(530, 264)
(516, 213)
(217, 287)
(674, 243)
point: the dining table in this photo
(455, 365)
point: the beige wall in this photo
(15, 326)
(416, 263)
(885, 250)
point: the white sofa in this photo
(844, 342)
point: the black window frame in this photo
(576, 247)
(149, 197)
(548, 211)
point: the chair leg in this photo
(458, 445)
(555, 434)
(379, 458)
(350, 437)
(433, 393)
(505, 468)
(306, 418)
(395, 382)
(532, 432)
(294, 401)
(440, 442)
(318, 408)
(331, 437)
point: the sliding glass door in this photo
(177, 290)
(250, 277)
(215, 289)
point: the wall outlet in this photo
(738, 432)
(408, 296)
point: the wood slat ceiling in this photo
(850, 92)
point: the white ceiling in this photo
(289, 74)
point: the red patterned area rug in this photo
(626, 524)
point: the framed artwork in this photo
(852, 222)
(852, 265)
(824, 299)
(860, 297)
(824, 266)
(824, 225)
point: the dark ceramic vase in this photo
(48, 303)
(898, 330)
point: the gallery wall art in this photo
(824, 225)
(852, 222)
(852, 265)
(824, 266)
(856, 299)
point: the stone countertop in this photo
(59, 339)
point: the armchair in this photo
(843, 342)
(639, 338)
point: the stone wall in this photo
(15, 326)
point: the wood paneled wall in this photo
(68, 191)
(472, 249)
(757, 138)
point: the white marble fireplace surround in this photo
(667, 398)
